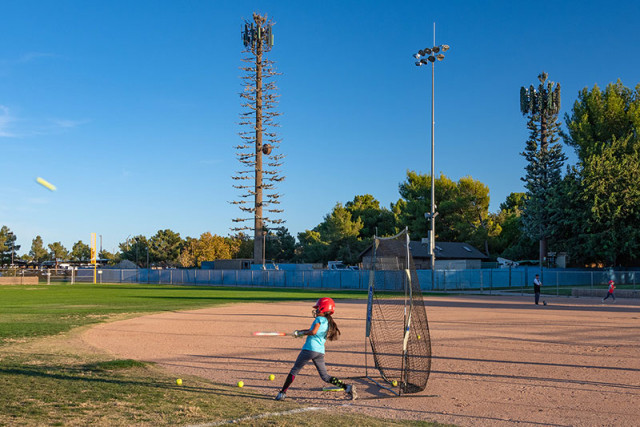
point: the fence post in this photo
(490, 281)
(557, 283)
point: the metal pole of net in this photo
(397, 331)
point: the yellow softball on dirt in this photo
(179, 381)
(240, 384)
(272, 377)
(418, 336)
(394, 383)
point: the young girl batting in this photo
(323, 328)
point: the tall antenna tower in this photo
(259, 139)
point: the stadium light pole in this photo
(424, 57)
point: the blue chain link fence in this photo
(483, 280)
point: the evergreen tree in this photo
(280, 245)
(135, 250)
(463, 209)
(544, 158)
(8, 246)
(38, 252)
(375, 219)
(241, 245)
(164, 248)
(80, 251)
(512, 243)
(58, 252)
(335, 238)
(598, 207)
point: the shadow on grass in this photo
(84, 374)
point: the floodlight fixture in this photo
(432, 58)
(418, 63)
(435, 49)
(444, 47)
(424, 61)
(417, 55)
(440, 57)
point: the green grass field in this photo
(46, 380)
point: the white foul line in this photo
(255, 417)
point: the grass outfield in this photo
(47, 378)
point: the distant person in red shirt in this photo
(612, 286)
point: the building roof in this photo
(444, 250)
(447, 250)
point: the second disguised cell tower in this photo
(259, 140)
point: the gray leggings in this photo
(317, 359)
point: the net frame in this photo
(397, 330)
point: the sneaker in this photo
(351, 391)
(281, 396)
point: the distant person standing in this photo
(537, 284)
(612, 286)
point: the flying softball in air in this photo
(45, 183)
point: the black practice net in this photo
(397, 328)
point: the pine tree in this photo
(544, 157)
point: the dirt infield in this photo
(496, 360)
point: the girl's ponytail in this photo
(333, 332)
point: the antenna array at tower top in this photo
(257, 33)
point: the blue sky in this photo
(131, 107)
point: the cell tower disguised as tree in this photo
(259, 139)
(544, 156)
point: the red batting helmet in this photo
(325, 306)
(611, 281)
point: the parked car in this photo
(336, 265)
